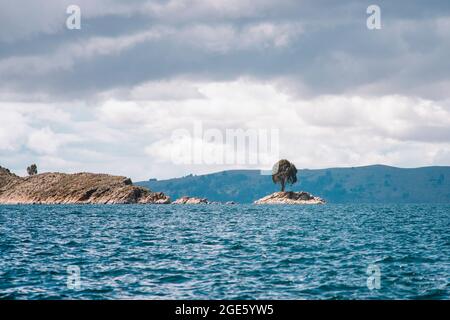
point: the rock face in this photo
(79, 188)
(290, 197)
(189, 200)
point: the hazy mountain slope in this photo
(375, 184)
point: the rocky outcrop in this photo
(79, 188)
(290, 197)
(193, 200)
(189, 200)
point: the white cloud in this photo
(201, 10)
(133, 137)
(13, 129)
(226, 38)
(339, 94)
(158, 90)
(319, 132)
(45, 141)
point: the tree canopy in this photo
(32, 170)
(284, 172)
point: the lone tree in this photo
(32, 170)
(284, 172)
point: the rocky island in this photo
(285, 172)
(194, 200)
(290, 197)
(78, 188)
(191, 200)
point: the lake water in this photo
(225, 252)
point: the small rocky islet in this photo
(194, 200)
(290, 197)
(93, 188)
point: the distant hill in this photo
(370, 184)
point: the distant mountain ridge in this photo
(368, 184)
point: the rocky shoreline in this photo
(78, 188)
(91, 188)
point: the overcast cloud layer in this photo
(107, 98)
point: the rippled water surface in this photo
(225, 252)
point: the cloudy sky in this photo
(108, 97)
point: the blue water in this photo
(225, 252)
